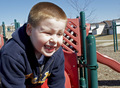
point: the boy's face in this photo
(47, 37)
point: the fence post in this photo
(4, 35)
(15, 23)
(18, 24)
(92, 61)
(83, 33)
(116, 36)
(113, 26)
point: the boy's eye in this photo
(60, 34)
(48, 33)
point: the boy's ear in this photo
(28, 29)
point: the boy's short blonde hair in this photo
(43, 10)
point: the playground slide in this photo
(108, 61)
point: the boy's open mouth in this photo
(50, 48)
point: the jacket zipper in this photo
(41, 73)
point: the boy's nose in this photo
(53, 39)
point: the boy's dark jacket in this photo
(20, 69)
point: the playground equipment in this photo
(17, 24)
(114, 26)
(4, 35)
(1, 41)
(108, 61)
(81, 57)
(75, 42)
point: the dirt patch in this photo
(107, 77)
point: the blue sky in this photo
(19, 9)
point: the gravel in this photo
(108, 78)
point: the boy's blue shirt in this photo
(19, 67)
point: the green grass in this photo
(105, 37)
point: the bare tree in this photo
(83, 5)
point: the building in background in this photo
(104, 28)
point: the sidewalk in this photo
(106, 42)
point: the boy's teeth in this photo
(48, 47)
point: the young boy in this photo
(34, 52)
